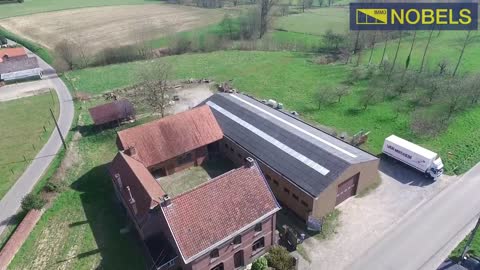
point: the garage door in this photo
(347, 189)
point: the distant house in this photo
(12, 54)
(19, 68)
(225, 223)
(114, 112)
(173, 143)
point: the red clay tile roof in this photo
(145, 190)
(12, 52)
(202, 218)
(112, 111)
(171, 136)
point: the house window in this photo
(231, 149)
(275, 182)
(226, 145)
(237, 240)
(218, 267)
(304, 203)
(286, 190)
(214, 253)
(258, 245)
(186, 158)
(258, 227)
(295, 196)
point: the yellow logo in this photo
(372, 16)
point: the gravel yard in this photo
(365, 220)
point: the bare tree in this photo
(326, 96)
(384, 50)
(407, 62)
(368, 97)
(466, 41)
(154, 88)
(341, 91)
(67, 51)
(425, 51)
(265, 7)
(442, 67)
(372, 46)
(396, 54)
(306, 4)
(454, 97)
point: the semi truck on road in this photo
(413, 155)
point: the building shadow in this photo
(217, 166)
(106, 218)
(402, 172)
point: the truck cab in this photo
(436, 170)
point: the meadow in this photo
(294, 80)
(24, 134)
(82, 228)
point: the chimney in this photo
(166, 201)
(249, 162)
(131, 151)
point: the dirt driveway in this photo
(103, 27)
(365, 220)
(190, 96)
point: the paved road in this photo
(427, 236)
(10, 203)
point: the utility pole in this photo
(467, 247)
(58, 129)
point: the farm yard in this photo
(25, 135)
(82, 228)
(125, 25)
(294, 80)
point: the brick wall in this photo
(18, 238)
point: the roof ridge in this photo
(152, 123)
(139, 178)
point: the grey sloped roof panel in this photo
(296, 150)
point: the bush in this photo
(279, 259)
(3, 40)
(53, 187)
(118, 55)
(33, 201)
(260, 264)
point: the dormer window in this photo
(214, 254)
(237, 240)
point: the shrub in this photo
(260, 264)
(279, 259)
(3, 40)
(33, 201)
(53, 187)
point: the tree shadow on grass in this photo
(106, 218)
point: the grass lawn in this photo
(292, 79)
(82, 228)
(183, 181)
(36, 6)
(23, 135)
(444, 46)
(315, 21)
(474, 248)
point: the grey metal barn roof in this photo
(310, 158)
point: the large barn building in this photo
(308, 170)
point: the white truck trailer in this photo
(414, 155)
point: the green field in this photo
(292, 79)
(315, 21)
(82, 228)
(36, 6)
(23, 134)
(443, 46)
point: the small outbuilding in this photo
(19, 69)
(114, 112)
(12, 53)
